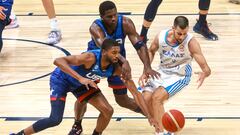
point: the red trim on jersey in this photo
(55, 98)
(117, 86)
(88, 93)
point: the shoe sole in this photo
(235, 2)
(54, 42)
(203, 35)
(12, 27)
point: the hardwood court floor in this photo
(133, 127)
(24, 60)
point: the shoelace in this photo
(207, 26)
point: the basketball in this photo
(173, 120)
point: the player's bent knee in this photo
(159, 95)
(107, 111)
(54, 121)
(157, 98)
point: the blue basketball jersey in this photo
(94, 73)
(117, 35)
(7, 4)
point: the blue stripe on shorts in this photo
(179, 85)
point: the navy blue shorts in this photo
(59, 89)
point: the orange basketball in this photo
(173, 120)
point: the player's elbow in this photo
(57, 61)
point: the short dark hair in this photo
(181, 21)
(109, 43)
(106, 5)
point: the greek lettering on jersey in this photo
(174, 58)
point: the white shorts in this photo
(173, 83)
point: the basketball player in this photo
(117, 27)
(176, 48)
(200, 27)
(55, 34)
(80, 78)
(5, 10)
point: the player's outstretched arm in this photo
(86, 59)
(140, 46)
(153, 48)
(137, 97)
(151, 52)
(97, 34)
(140, 101)
(126, 69)
(197, 54)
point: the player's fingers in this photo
(123, 79)
(2, 15)
(154, 73)
(143, 82)
(139, 82)
(93, 84)
(158, 130)
(127, 76)
(87, 86)
(199, 78)
(158, 75)
(200, 83)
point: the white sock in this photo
(54, 24)
(160, 133)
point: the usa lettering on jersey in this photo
(93, 76)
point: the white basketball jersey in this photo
(174, 59)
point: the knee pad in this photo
(54, 119)
(46, 123)
(54, 122)
(204, 4)
(151, 10)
